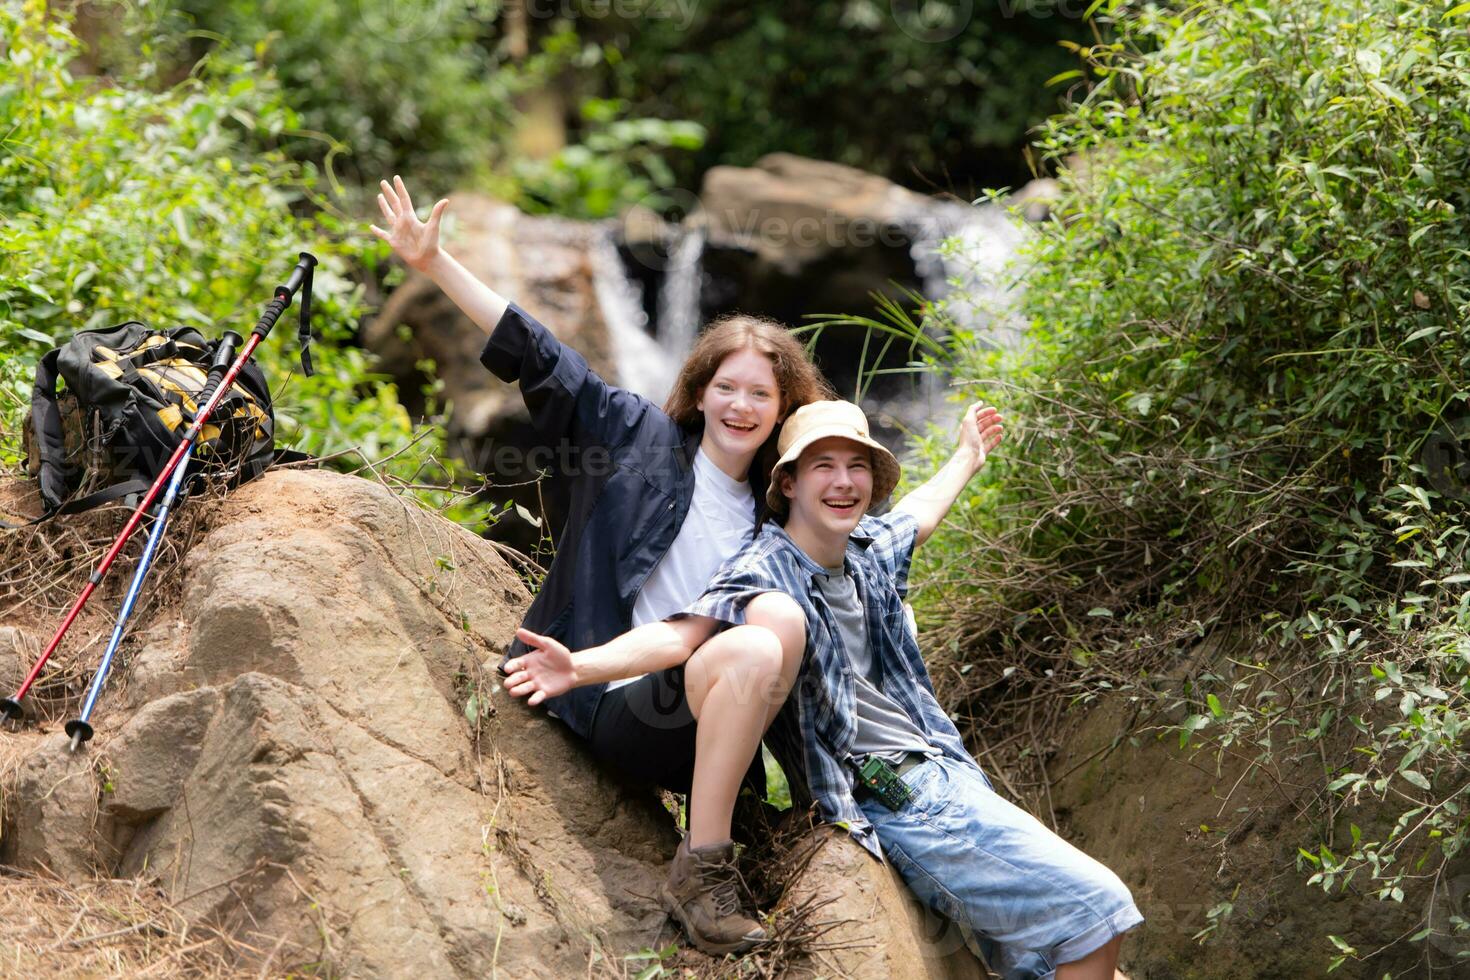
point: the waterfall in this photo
(678, 299)
(975, 271)
(969, 280)
(644, 365)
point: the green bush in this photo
(1248, 344)
(380, 86)
(917, 91)
(618, 163)
(124, 203)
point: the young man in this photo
(862, 731)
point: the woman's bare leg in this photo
(736, 683)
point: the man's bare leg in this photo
(1100, 964)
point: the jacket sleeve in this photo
(564, 395)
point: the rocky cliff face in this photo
(305, 747)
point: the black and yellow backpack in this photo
(129, 396)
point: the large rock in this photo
(309, 750)
(795, 213)
(791, 236)
(53, 810)
(879, 930)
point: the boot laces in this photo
(724, 882)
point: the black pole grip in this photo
(270, 316)
(224, 356)
(273, 310)
(306, 262)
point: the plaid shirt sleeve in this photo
(739, 580)
(892, 550)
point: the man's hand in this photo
(415, 242)
(545, 672)
(980, 433)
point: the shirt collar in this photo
(857, 544)
(705, 469)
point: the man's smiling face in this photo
(831, 488)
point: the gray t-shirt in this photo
(883, 727)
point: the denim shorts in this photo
(1031, 900)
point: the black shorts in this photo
(646, 730)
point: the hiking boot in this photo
(703, 894)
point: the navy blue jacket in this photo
(630, 491)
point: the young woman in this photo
(646, 533)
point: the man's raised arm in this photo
(980, 433)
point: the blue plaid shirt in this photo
(813, 735)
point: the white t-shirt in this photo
(720, 522)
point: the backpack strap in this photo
(152, 354)
(104, 496)
(46, 427)
(248, 471)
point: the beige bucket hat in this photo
(822, 420)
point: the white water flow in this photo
(962, 255)
(678, 298)
(644, 365)
(971, 277)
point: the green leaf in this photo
(1389, 92)
(1416, 778)
(1457, 11)
(1215, 707)
(1062, 77)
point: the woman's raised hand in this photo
(415, 242)
(546, 671)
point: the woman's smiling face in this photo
(741, 406)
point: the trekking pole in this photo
(80, 728)
(300, 279)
